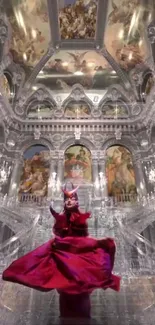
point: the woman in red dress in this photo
(73, 263)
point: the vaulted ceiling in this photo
(94, 43)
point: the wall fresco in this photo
(35, 173)
(77, 110)
(78, 165)
(120, 173)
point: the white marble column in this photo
(60, 171)
(139, 175)
(15, 176)
(95, 174)
(51, 179)
(102, 169)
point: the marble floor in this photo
(133, 305)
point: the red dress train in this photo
(72, 262)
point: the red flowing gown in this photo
(71, 262)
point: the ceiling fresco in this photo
(87, 68)
(125, 32)
(30, 30)
(77, 19)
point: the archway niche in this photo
(35, 173)
(74, 110)
(40, 110)
(121, 183)
(78, 165)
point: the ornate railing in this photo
(113, 201)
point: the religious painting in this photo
(40, 111)
(5, 85)
(148, 83)
(120, 174)
(124, 33)
(87, 68)
(114, 110)
(30, 30)
(77, 110)
(35, 173)
(77, 19)
(78, 165)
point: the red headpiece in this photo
(70, 193)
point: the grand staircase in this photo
(32, 223)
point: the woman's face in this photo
(71, 202)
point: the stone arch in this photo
(31, 141)
(114, 93)
(83, 142)
(126, 142)
(77, 93)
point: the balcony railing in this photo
(123, 200)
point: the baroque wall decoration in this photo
(35, 172)
(77, 19)
(120, 173)
(78, 165)
(77, 110)
(124, 35)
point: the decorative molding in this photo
(151, 32)
(77, 94)
(116, 67)
(3, 29)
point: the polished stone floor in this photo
(133, 305)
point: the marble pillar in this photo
(60, 171)
(139, 175)
(102, 169)
(95, 172)
(15, 177)
(51, 179)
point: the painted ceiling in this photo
(78, 26)
(125, 32)
(87, 68)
